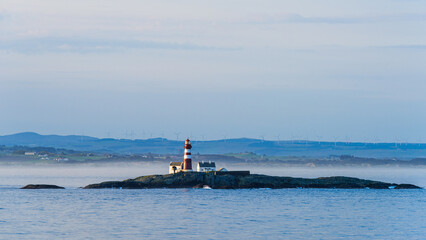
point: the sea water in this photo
(212, 214)
(76, 213)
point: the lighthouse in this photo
(187, 161)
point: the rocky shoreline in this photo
(231, 181)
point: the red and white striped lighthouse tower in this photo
(187, 161)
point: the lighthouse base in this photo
(186, 170)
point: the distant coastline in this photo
(25, 155)
(297, 148)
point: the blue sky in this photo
(319, 70)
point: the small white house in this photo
(61, 159)
(206, 166)
(175, 167)
(30, 153)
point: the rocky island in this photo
(236, 180)
(41, 186)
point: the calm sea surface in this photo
(76, 213)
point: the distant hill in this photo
(262, 147)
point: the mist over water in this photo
(77, 175)
(82, 175)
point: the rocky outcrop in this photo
(41, 186)
(229, 181)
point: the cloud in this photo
(51, 44)
(297, 18)
(3, 15)
(414, 47)
(293, 18)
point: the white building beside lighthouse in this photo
(175, 167)
(206, 166)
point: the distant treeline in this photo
(38, 150)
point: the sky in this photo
(352, 70)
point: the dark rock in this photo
(223, 181)
(405, 186)
(41, 186)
